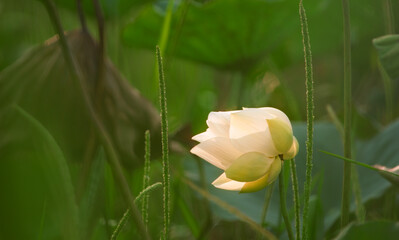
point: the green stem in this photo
(283, 206)
(309, 118)
(126, 215)
(295, 191)
(77, 77)
(165, 145)
(146, 177)
(347, 116)
(268, 198)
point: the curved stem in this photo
(142, 195)
(295, 191)
(347, 115)
(283, 207)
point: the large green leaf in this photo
(388, 52)
(236, 34)
(370, 231)
(37, 193)
(222, 33)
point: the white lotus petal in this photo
(208, 134)
(217, 151)
(249, 132)
(219, 123)
(223, 182)
(256, 142)
(247, 122)
(277, 113)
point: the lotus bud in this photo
(293, 150)
(247, 145)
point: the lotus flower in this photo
(249, 145)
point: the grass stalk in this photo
(309, 116)
(283, 206)
(141, 197)
(295, 191)
(165, 145)
(112, 156)
(146, 177)
(347, 115)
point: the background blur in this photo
(55, 182)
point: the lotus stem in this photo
(283, 206)
(295, 191)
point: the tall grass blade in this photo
(146, 178)
(359, 163)
(309, 116)
(89, 198)
(165, 145)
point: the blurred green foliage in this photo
(221, 55)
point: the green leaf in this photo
(388, 51)
(249, 167)
(33, 174)
(231, 34)
(370, 231)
